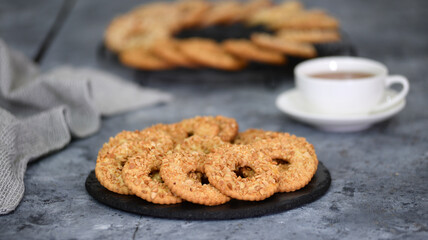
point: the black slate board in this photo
(254, 72)
(234, 209)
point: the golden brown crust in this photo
(228, 128)
(114, 154)
(297, 49)
(137, 176)
(251, 136)
(175, 131)
(309, 36)
(221, 165)
(245, 49)
(275, 14)
(208, 126)
(209, 53)
(192, 11)
(179, 171)
(204, 126)
(223, 12)
(312, 19)
(295, 163)
(158, 15)
(143, 59)
(252, 7)
(201, 144)
(170, 52)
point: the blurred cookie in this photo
(143, 59)
(311, 19)
(253, 6)
(247, 50)
(309, 36)
(273, 15)
(170, 52)
(303, 50)
(209, 53)
(192, 11)
(222, 12)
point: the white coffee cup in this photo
(332, 95)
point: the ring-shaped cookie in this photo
(184, 172)
(169, 51)
(254, 135)
(114, 154)
(192, 11)
(174, 130)
(221, 167)
(141, 175)
(245, 49)
(208, 126)
(209, 53)
(205, 126)
(295, 163)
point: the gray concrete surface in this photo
(379, 188)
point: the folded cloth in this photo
(40, 112)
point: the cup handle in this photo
(390, 80)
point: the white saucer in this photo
(292, 104)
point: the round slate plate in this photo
(234, 209)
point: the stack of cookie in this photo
(144, 37)
(204, 160)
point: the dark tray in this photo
(234, 209)
(254, 72)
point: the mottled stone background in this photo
(379, 188)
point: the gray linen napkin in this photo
(40, 112)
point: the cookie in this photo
(208, 126)
(114, 154)
(251, 7)
(309, 36)
(141, 174)
(122, 33)
(223, 12)
(303, 50)
(228, 128)
(245, 49)
(183, 171)
(200, 144)
(295, 164)
(192, 11)
(254, 135)
(143, 59)
(271, 16)
(159, 15)
(222, 167)
(209, 53)
(312, 19)
(202, 126)
(175, 131)
(170, 52)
